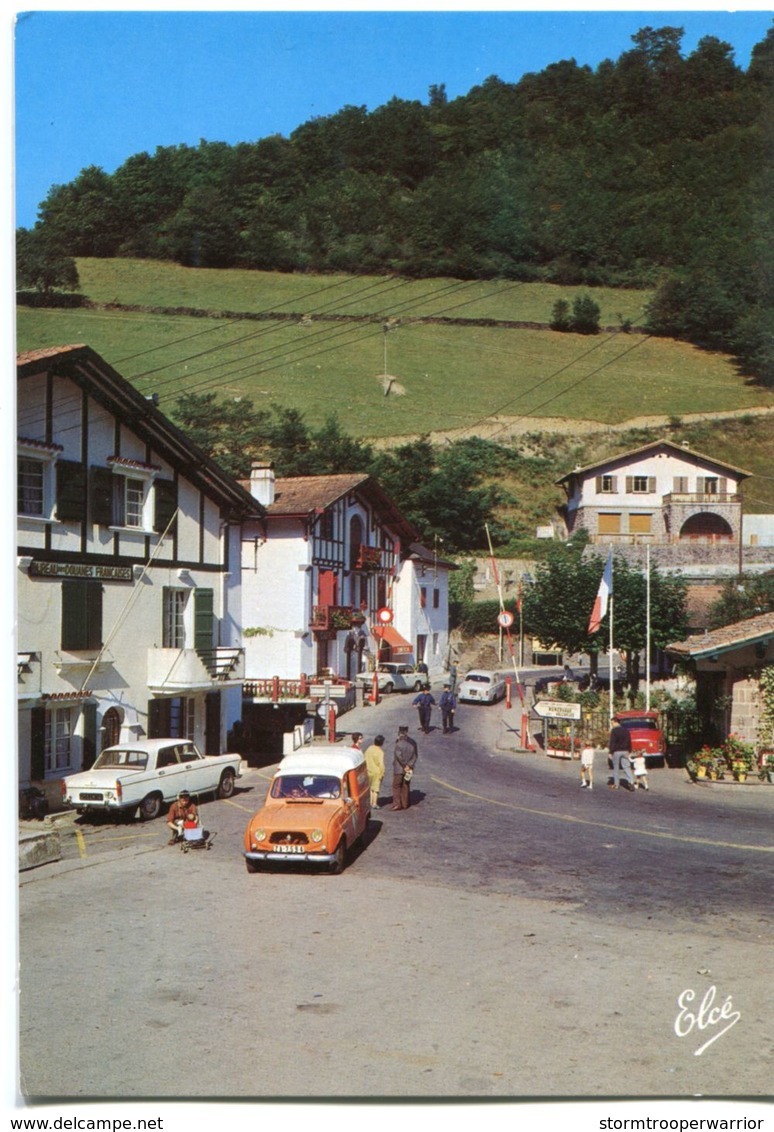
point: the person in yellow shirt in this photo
(374, 757)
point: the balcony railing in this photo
(369, 558)
(275, 689)
(704, 497)
(327, 618)
(171, 670)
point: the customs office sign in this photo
(80, 570)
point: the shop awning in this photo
(385, 634)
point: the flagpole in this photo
(610, 655)
(647, 627)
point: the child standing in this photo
(587, 765)
(640, 772)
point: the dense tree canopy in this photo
(654, 168)
(743, 597)
(558, 605)
(439, 491)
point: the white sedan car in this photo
(147, 774)
(394, 678)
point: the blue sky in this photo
(95, 87)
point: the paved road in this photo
(511, 935)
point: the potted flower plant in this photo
(739, 757)
(767, 768)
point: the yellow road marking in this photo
(81, 843)
(97, 840)
(247, 809)
(606, 825)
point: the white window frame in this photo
(58, 747)
(126, 475)
(636, 480)
(607, 484)
(47, 459)
(174, 629)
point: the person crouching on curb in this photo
(180, 812)
(374, 759)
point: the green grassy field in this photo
(454, 376)
(148, 283)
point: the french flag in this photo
(603, 596)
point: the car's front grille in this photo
(286, 838)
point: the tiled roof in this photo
(727, 637)
(424, 554)
(123, 462)
(304, 495)
(680, 449)
(298, 495)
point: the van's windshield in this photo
(306, 786)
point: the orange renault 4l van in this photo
(316, 808)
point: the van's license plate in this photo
(288, 848)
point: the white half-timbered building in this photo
(128, 558)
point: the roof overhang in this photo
(87, 369)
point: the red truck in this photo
(644, 727)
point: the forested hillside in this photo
(651, 170)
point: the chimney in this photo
(262, 483)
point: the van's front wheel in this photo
(339, 858)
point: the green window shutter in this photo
(723, 485)
(101, 492)
(93, 615)
(651, 483)
(598, 483)
(81, 615)
(158, 719)
(89, 753)
(629, 484)
(38, 743)
(73, 614)
(164, 505)
(204, 619)
(70, 491)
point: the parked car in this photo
(147, 774)
(316, 808)
(394, 677)
(644, 728)
(482, 686)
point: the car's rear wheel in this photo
(226, 786)
(150, 807)
(418, 685)
(339, 858)
(388, 687)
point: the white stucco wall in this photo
(276, 601)
(664, 466)
(132, 609)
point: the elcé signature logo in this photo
(705, 1017)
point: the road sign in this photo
(556, 709)
(505, 619)
(384, 616)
